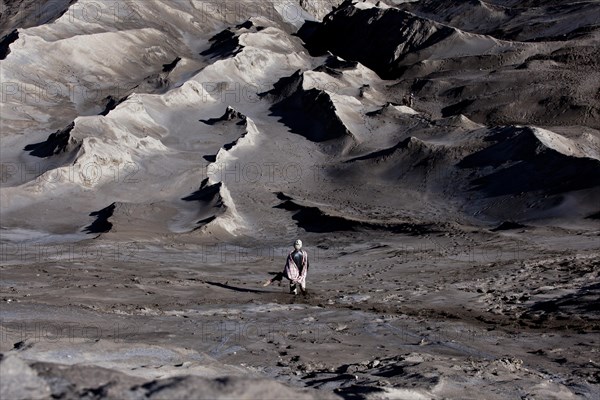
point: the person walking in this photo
(295, 270)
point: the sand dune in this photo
(440, 161)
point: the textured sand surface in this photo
(440, 161)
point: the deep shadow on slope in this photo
(295, 104)
(19, 14)
(101, 224)
(377, 38)
(230, 115)
(310, 113)
(584, 302)
(5, 43)
(55, 143)
(472, 74)
(211, 203)
(226, 43)
(517, 20)
(521, 163)
(313, 219)
(111, 104)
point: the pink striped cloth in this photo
(292, 271)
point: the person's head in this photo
(298, 244)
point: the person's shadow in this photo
(236, 288)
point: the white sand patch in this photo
(566, 146)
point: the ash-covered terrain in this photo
(439, 160)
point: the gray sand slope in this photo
(440, 162)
